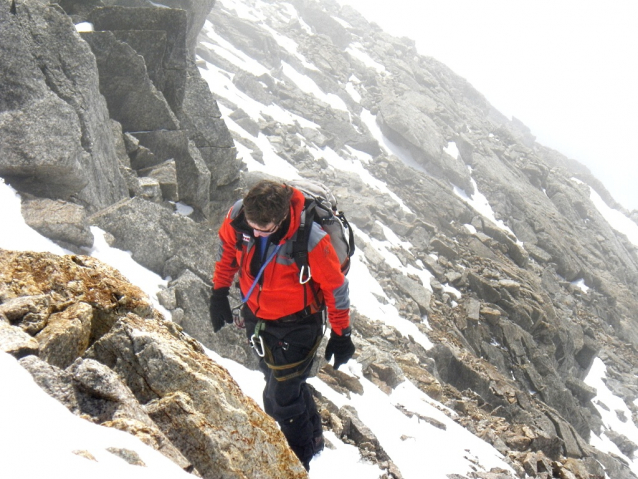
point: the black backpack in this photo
(321, 207)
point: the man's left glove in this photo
(341, 346)
(220, 312)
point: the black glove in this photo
(341, 346)
(220, 312)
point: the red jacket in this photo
(279, 292)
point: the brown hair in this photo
(267, 202)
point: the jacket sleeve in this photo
(326, 273)
(226, 265)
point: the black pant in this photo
(290, 401)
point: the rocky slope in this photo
(122, 130)
(93, 341)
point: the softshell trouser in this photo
(290, 402)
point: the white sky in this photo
(567, 69)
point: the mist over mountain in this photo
(492, 273)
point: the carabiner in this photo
(253, 343)
(301, 274)
(237, 318)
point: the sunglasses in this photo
(265, 232)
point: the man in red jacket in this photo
(283, 313)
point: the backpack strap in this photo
(300, 245)
(300, 249)
(346, 224)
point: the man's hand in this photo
(340, 346)
(220, 312)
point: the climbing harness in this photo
(263, 351)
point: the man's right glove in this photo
(220, 312)
(341, 346)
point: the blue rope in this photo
(261, 270)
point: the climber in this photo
(284, 315)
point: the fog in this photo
(566, 69)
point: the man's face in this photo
(264, 231)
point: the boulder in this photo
(56, 382)
(414, 290)
(93, 390)
(355, 430)
(65, 223)
(192, 294)
(201, 119)
(166, 176)
(158, 35)
(195, 402)
(66, 335)
(162, 241)
(483, 288)
(195, 12)
(35, 284)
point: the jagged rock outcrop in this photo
(196, 12)
(89, 121)
(58, 138)
(93, 341)
(52, 114)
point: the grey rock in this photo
(580, 389)
(359, 433)
(150, 189)
(253, 41)
(196, 12)
(131, 97)
(192, 175)
(164, 242)
(56, 382)
(30, 313)
(166, 176)
(380, 366)
(473, 309)
(16, 342)
(120, 144)
(65, 223)
(102, 395)
(192, 294)
(128, 455)
(626, 446)
(407, 121)
(443, 247)
(159, 36)
(53, 140)
(483, 288)
(414, 290)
